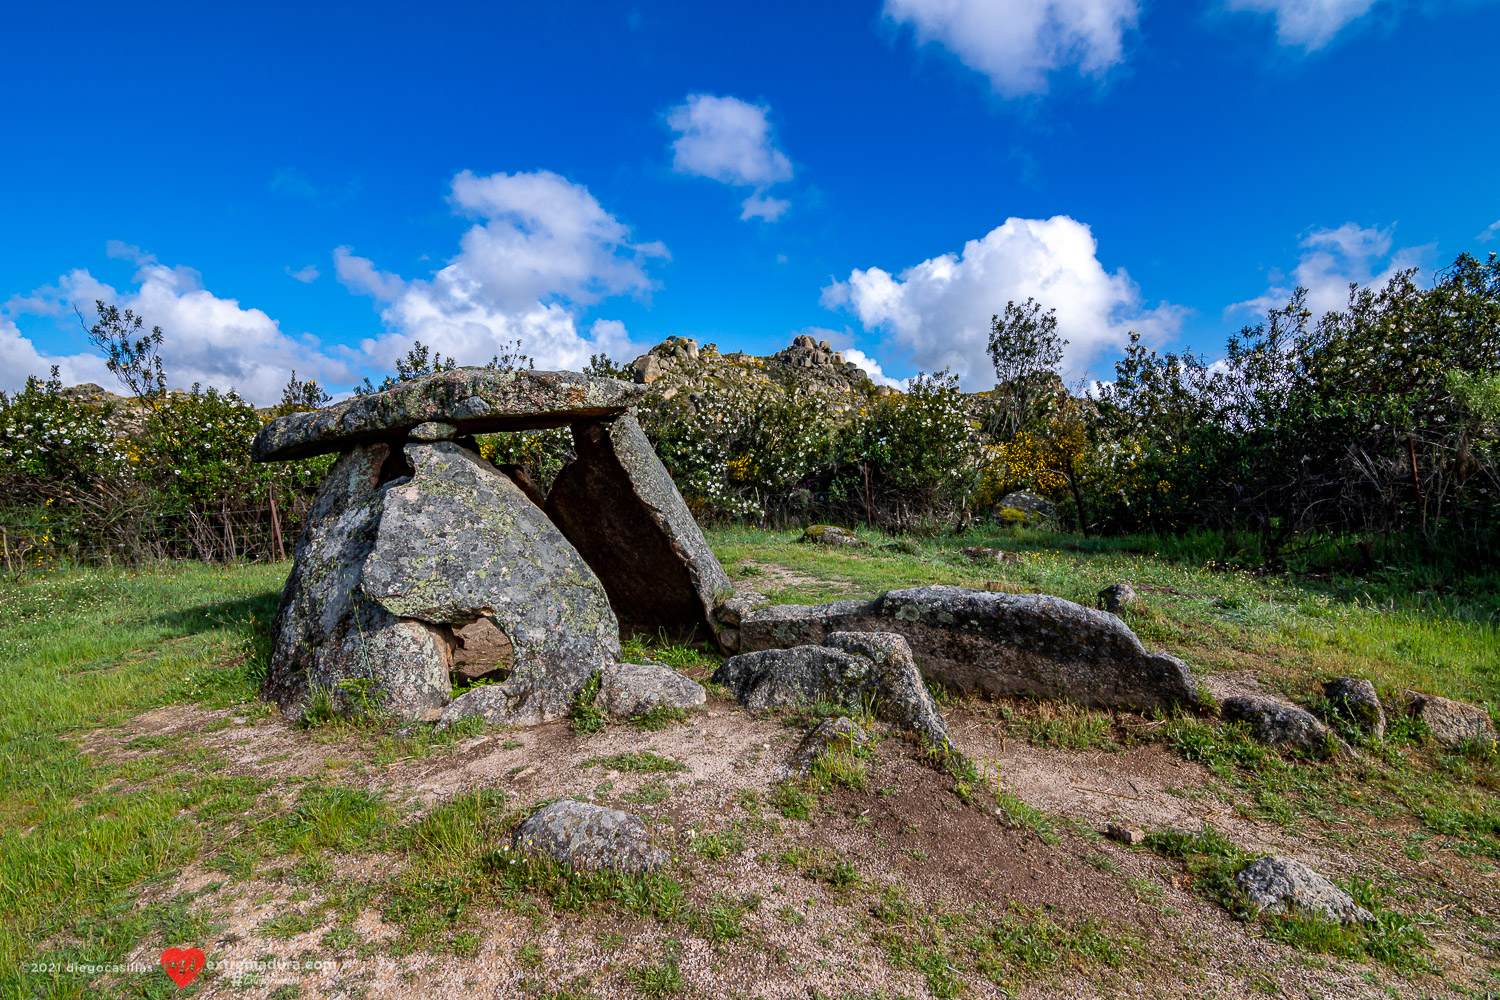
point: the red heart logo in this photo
(182, 964)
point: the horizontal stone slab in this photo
(472, 400)
(973, 640)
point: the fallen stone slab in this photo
(847, 668)
(1355, 699)
(471, 400)
(996, 644)
(1285, 885)
(630, 689)
(1277, 723)
(1453, 724)
(617, 505)
(841, 733)
(744, 602)
(588, 837)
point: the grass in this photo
(91, 844)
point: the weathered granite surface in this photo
(849, 667)
(619, 507)
(587, 836)
(1286, 885)
(827, 736)
(465, 542)
(329, 636)
(630, 689)
(1277, 722)
(472, 400)
(1453, 724)
(1355, 699)
(996, 643)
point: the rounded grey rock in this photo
(588, 836)
(1286, 885)
(1277, 723)
(1355, 699)
(631, 689)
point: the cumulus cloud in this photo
(939, 310)
(541, 248)
(207, 339)
(1018, 43)
(1332, 260)
(872, 368)
(1310, 24)
(729, 140)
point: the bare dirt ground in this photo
(805, 935)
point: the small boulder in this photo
(842, 733)
(828, 534)
(1128, 835)
(1286, 885)
(630, 689)
(1355, 699)
(587, 836)
(1277, 723)
(846, 668)
(1453, 724)
(433, 430)
(1116, 597)
(1038, 507)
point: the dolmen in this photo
(421, 561)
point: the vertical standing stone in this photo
(619, 507)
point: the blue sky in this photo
(313, 186)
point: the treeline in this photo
(1378, 420)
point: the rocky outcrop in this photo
(472, 400)
(1453, 724)
(1355, 699)
(588, 837)
(619, 508)
(630, 689)
(1286, 885)
(847, 669)
(996, 643)
(1278, 723)
(828, 534)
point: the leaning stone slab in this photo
(996, 643)
(472, 400)
(1286, 885)
(1277, 723)
(587, 836)
(618, 505)
(847, 668)
(330, 639)
(1453, 724)
(630, 689)
(464, 542)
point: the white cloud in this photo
(1332, 260)
(541, 248)
(1018, 43)
(939, 310)
(872, 368)
(761, 207)
(207, 339)
(729, 140)
(1310, 24)
(307, 275)
(1489, 232)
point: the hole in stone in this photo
(395, 466)
(481, 651)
